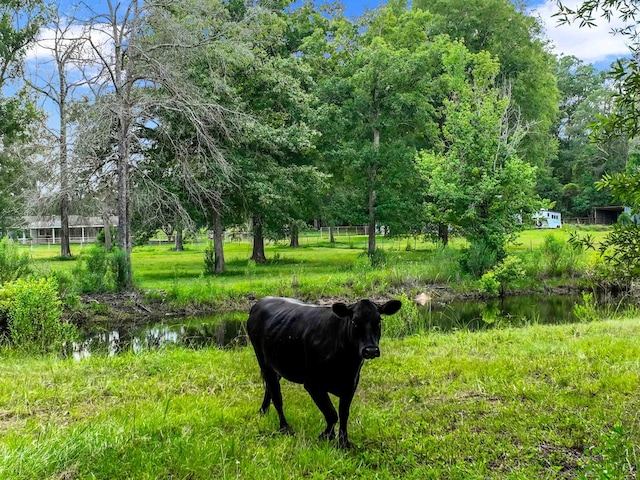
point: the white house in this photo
(46, 230)
(547, 219)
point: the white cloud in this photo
(42, 49)
(595, 44)
(41, 68)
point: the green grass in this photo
(536, 402)
(317, 269)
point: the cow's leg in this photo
(322, 400)
(264, 370)
(343, 409)
(272, 380)
(266, 401)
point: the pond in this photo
(228, 330)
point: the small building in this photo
(547, 219)
(46, 229)
(607, 215)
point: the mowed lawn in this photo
(537, 402)
(316, 269)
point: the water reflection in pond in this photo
(511, 311)
(229, 330)
(224, 331)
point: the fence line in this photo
(345, 230)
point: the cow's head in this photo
(365, 325)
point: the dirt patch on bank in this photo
(125, 308)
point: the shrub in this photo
(99, 270)
(33, 311)
(625, 219)
(13, 264)
(478, 259)
(67, 287)
(560, 258)
(587, 311)
(581, 242)
(209, 259)
(489, 283)
(407, 321)
(378, 258)
(621, 251)
(509, 271)
(101, 235)
(532, 263)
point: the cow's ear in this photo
(341, 310)
(391, 307)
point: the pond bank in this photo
(140, 307)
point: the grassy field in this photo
(530, 403)
(317, 269)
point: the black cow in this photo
(322, 348)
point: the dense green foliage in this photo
(20, 21)
(415, 118)
(475, 180)
(14, 262)
(33, 311)
(99, 270)
(621, 248)
(503, 29)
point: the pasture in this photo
(518, 403)
(317, 269)
(535, 402)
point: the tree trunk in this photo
(123, 105)
(124, 238)
(179, 246)
(443, 233)
(65, 248)
(372, 192)
(295, 240)
(372, 222)
(218, 245)
(332, 238)
(373, 171)
(258, 255)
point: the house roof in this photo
(53, 221)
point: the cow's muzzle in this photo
(370, 352)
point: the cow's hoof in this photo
(263, 411)
(287, 430)
(343, 442)
(324, 436)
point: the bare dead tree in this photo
(143, 55)
(55, 77)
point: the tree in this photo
(625, 71)
(377, 85)
(585, 95)
(475, 179)
(516, 39)
(621, 248)
(146, 67)
(20, 21)
(277, 184)
(56, 78)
